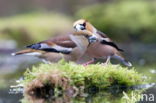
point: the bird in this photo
(57, 48)
(103, 47)
(84, 25)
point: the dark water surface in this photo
(6, 97)
(99, 97)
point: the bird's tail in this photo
(122, 59)
(27, 52)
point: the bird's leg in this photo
(107, 61)
(89, 62)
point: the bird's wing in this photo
(111, 44)
(59, 45)
(107, 41)
(50, 47)
(64, 41)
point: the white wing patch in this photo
(60, 48)
(44, 46)
(57, 47)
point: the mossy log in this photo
(72, 78)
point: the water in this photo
(94, 97)
(106, 96)
(11, 69)
(5, 97)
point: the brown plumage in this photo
(63, 40)
(55, 49)
(104, 47)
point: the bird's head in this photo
(83, 25)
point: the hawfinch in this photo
(83, 25)
(58, 48)
(104, 47)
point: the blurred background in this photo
(130, 23)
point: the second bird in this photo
(104, 47)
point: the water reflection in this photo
(90, 97)
(6, 97)
(98, 97)
(149, 95)
(95, 96)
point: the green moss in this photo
(33, 27)
(89, 76)
(66, 76)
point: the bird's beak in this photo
(92, 39)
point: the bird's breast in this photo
(97, 50)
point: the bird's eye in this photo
(84, 24)
(81, 24)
